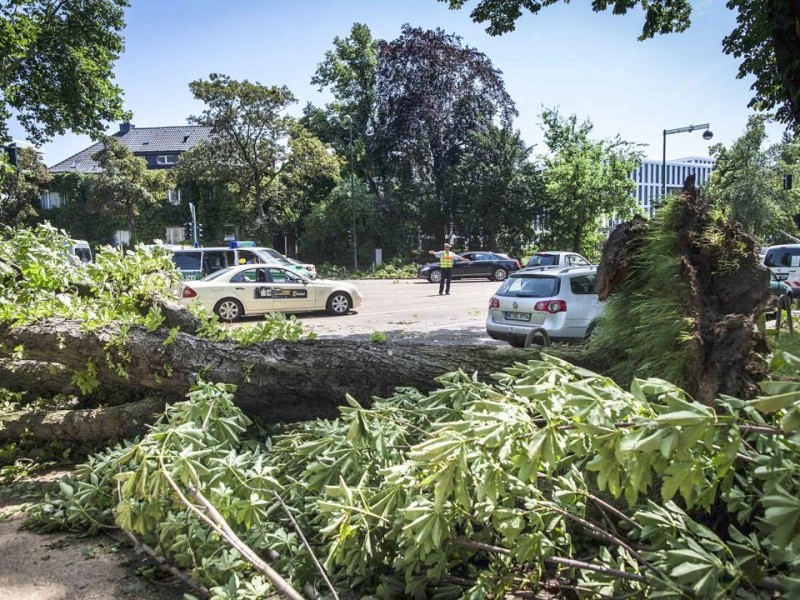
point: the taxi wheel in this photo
(339, 304)
(229, 309)
(499, 274)
(435, 276)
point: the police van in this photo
(784, 262)
(196, 263)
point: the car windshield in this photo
(531, 286)
(217, 274)
(539, 260)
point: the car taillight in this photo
(188, 292)
(516, 262)
(494, 303)
(551, 306)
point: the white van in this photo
(784, 261)
(80, 251)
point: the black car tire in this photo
(435, 275)
(229, 309)
(339, 303)
(499, 274)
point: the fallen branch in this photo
(218, 523)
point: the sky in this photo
(566, 57)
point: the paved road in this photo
(408, 309)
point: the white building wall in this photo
(648, 180)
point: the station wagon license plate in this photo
(518, 316)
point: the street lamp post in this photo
(353, 197)
(707, 135)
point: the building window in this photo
(174, 197)
(50, 200)
(173, 234)
(229, 232)
(166, 159)
(122, 237)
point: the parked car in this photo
(562, 301)
(80, 252)
(784, 262)
(778, 287)
(254, 289)
(312, 270)
(489, 265)
(557, 258)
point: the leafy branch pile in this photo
(551, 479)
(40, 279)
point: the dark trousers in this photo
(444, 283)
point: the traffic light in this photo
(199, 230)
(787, 181)
(349, 235)
(187, 231)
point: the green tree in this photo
(21, 187)
(56, 61)
(125, 186)
(747, 183)
(348, 72)
(256, 148)
(766, 39)
(502, 192)
(586, 181)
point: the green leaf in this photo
(770, 404)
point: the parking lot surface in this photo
(411, 310)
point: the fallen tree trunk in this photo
(89, 425)
(37, 379)
(277, 381)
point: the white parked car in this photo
(254, 289)
(784, 262)
(561, 300)
(557, 258)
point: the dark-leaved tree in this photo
(431, 94)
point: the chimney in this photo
(126, 127)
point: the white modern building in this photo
(650, 188)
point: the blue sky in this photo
(566, 57)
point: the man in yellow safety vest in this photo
(446, 259)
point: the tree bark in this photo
(91, 425)
(36, 379)
(276, 381)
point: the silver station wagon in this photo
(560, 300)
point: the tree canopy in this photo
(125, 186)
(766, 39)
(586, 181)
(747, 183)
(56, 65)
(255, 145)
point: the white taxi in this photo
(257, 289)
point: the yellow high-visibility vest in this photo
(446, 259)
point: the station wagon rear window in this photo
(531, 286)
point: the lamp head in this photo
(707, 135)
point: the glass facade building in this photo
(649, 189)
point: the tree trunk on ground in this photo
(277, 381)
(90, 425)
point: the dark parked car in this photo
(489, 265)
